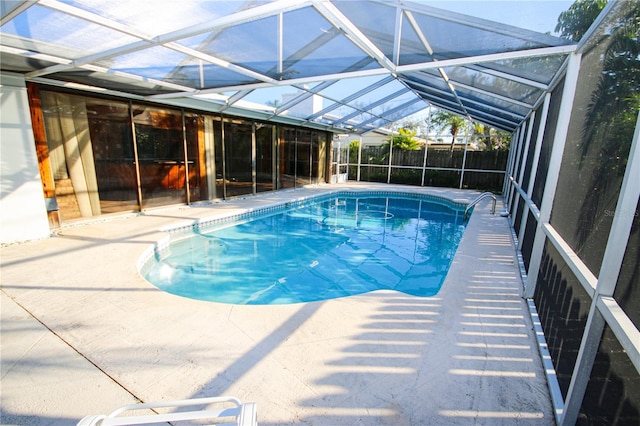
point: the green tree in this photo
(482, 134)
(404, 139)
(490, 139)
(610, 117)
(418, 125)
(443, 120)
(574, 22)
(615, 103)
(354, 146)
(500, 140)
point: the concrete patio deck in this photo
(83, 333)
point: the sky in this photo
(540, 16)
(535, 15)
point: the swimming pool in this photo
(324, 248)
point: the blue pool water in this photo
(323, 249)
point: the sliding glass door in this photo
(91, 155)
(265, 158)
(110, 130)
(161, 155)
(287, 169)
(303, 158)
(196, 157)
(110, 156)
(238, 157)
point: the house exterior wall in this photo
(23, 214)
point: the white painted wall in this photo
(367, 139)
(23, 215)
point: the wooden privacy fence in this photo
(482, 170)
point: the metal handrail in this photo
(477, 200)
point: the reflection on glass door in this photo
(219, 155)
(91, 155)
(287, 172)
(264, 158)
(161, 159)
(303, 163)
(110, 128)
(194, 126)
(110, 156)
(237, 157)
(319, 157)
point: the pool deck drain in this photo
(83, 333)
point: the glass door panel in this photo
(264, 158)
(237, 156)
(219, 156)
(196, 161)
(287, 172)
(112, 142)
(317, 172)
(303, 163)
(90, 151)
(161, 158)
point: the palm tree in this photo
(443, 119)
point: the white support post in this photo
(424, 162)
(281, 43)
(507, 176)
(526, 147)
(397, 37)
(534, 164)
(223, 172)
(359, 157)
(464, 155)
(254, 160)
(555, 161)
(511, 161)
(562, 128)
(390, 160)
(426, 149)
(516, 164)
(523, 161)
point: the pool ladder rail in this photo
(477, 200)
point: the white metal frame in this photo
(341, 25)
(604, 309)
(534, 169)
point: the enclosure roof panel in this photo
(341, 65)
